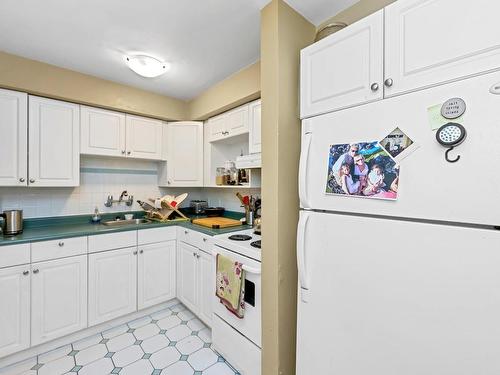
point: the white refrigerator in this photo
(405, 282)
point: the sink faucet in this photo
(123, 194)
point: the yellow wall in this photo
(239, 88)
(38, 78)
(284, 33)
(359, 10)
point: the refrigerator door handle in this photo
(304, 158)
(301, 255)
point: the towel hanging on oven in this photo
(230, 286)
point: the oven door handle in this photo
(255, 271)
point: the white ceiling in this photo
(204, 40)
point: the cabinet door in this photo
(428, 42)
(344, 69)
(58, 298)
(54, 143)
(207, 286)
(14, 309)
(156, 273)
(237, 121)
(14, 139)
(185, 154)
(112, 284)
(144, 138)
(254, 136)
(103, 132)
(187, 275)
(217, 127)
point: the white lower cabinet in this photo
(187, 275)
(14, 309)
(112, 284)
(156, 273)
(195, 280)
(58, 298)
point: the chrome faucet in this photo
(129, 201)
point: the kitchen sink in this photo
(122, 222)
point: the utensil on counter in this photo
(214, 211)
(12, 222)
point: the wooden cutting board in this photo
(217, 222)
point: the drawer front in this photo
(14, 255)
(197, 239)
(112, 241)
(55, 249)
(153, 235)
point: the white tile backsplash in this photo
(96, 185)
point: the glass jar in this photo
(220, 176)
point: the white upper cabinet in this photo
(54, 142)
(102, 132)
(156, 273)
(229, 124)
(59, 298)
(434, 41)
(144, 138)
(14, 138)
(254, 123)
(344, 69)
(14, 309)
(184, 165)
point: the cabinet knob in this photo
(204, 239)
(389, 82)
(186, 232)
(374, 87)
(36, 270)
(194, 254)
(135, 252)
(198, 256)
(168, 182)
(32, 180)
(128, 152)
(61, 244)
(123, 152)
(25, 273)
(141, 252)
(22, 179)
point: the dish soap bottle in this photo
(96, 217)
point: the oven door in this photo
(250, 325)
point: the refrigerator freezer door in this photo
(429, 187)
(393, 297)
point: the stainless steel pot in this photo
(12, 222)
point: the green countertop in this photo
(43, 229)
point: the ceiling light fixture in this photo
(147, 66)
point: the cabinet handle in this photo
(204, 239)
(22, 179)
(186, 232)
(198, 256)
(141, 252)
(128, 152)
(194, 254)
(25, 273)
(374, 87)
(36, 271)
(123, 152)
(135, 252)
(32, 180)
(61, 244)
(389, 82)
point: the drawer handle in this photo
(36, 271)
(25, 273)
(61, 244)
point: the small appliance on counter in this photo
(198, 206)
(214, 211)
(12, 222)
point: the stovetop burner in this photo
(240, 237)
(255, 244)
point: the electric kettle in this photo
(12, 222)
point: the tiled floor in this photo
(171, 341)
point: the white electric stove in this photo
(239, 340)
